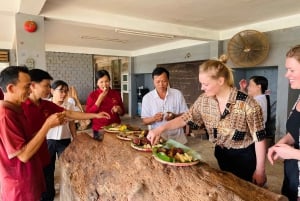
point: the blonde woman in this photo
(233, 120)
(287, 148)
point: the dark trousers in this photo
(54, 147)
(291, 179)
(240, 162)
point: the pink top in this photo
(112, 98)
(19, 181)
(36, 117)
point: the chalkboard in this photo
(184, 77)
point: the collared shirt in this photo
(174, 102)
(240, 124)
(19, 181)
(36, 116)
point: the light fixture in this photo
(141, 33)
(103, 39)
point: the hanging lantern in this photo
(30, 26)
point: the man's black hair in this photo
(10, 75)
(38, 75)
(158, 71)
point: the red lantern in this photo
(30, 26)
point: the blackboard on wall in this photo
(184, 77)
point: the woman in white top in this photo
(59, 91)
(59, 137)
(257, 87)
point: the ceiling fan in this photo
(248, 48)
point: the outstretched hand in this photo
(153, 137)
(104, 115)
(56, 119)
(243, 84)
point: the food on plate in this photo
(131, 134)
(133, 128)
(169, 116)
(113, 127)
(141, 144)
(144, 143)
(141, 141)
(122, 127)
(174, 154)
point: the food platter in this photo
(127, 136)
(113, 128)
(117, 128)
(194, 157)
(121, 137)
(110, 131)
(175, 163)
(141, 148)
(130, 135)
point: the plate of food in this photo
(117, 128)
(130, 135)
(114, 128)
(141, 144)
(175, 154)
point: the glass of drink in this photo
(98, 134)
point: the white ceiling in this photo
(190, 21)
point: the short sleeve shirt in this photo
(240, 124)
(62, 131)
(19, 181)
(36, 116)
(174, 102)
(262, 101)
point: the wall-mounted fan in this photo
(248, 48)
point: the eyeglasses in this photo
(62, 90)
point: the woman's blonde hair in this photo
(218, 69)
(294, 52)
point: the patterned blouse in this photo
(240, 124)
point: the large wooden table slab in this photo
(112, 170)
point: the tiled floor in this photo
(206, 150)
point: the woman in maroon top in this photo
(104, 99)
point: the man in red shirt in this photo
(37, 110)
(21, 173)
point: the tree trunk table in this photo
(112, 170)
